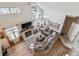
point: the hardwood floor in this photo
(58, 49)
(20, 49)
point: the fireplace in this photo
(28, 33)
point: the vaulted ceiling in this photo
(69, 8)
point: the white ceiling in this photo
(69, 8)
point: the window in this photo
(12, 10)
(9, 10)
(37, 12)
(3, 10)
(12, 33)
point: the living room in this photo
(36, 29)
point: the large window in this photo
(37, 12)
(9, 10)
(12, 33)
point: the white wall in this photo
(13, 19)
(57, 17)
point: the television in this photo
(26, 25)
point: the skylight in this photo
(9, 10)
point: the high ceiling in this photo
(69, 8)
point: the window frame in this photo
(7, 10)
(12, 29)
